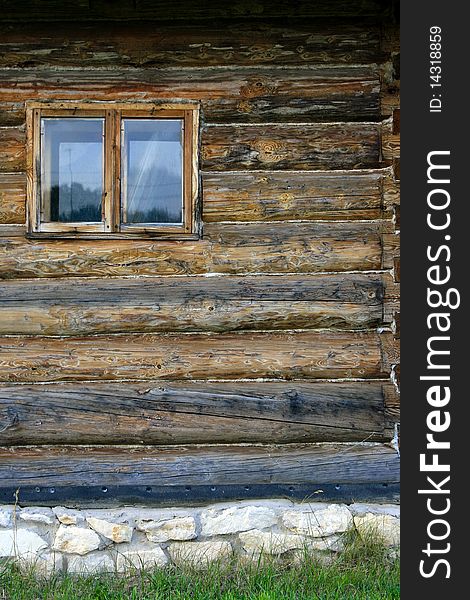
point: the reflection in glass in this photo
(152, 168)
(72, 169)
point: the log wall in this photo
(267, 351)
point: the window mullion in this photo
(108, 196)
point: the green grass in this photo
(363, 571)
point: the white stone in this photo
(199, 554)
(5, 516)
(257, 542)
(67, 516)
(235, 519)
(92, 563)
(45, 564)
(178, 528)
(384, 526)
(318, 522)
(44, 516)
(20, 542)
(141, 559)
(376, 509)
(117, 532)
(75, 540)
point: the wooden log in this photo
(304, 147)
(245, 248)
(12, 198)
(83, 307)
(228, 94)
(12, 149)
(145, 44)
(267, 196)
(278, 196)
(118, 10)
(391, 249)
(193, 413)
(180, 465)
(390, 141)
(293, 355)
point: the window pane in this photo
(152, 171)
(72, 169)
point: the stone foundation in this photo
(114, 540)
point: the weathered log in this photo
(12, 197)
(12, 149)
(267, 196)
(144, 44)
(81, 307)
(241, 147)
(84, 10)
(299, 355)
(228, 95)
(245, 248)
(189, 465)
(172, 413)
(293, 195)
(304, 147)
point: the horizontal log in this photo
(267, 196)
(193, 413)
(12, 198)
(306, 146)
(225, 148)
(12, 149)
(79, 10)
(228, 94)
(299, 355)
(245, 248)
(83, 307)
(180, 465)
(278, 196)
(144, 44)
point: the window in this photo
(112, 170)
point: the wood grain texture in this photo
(12, 198)
(216, 465)
(306, 146)
(232, 249)
(145, 44)
(293, 355)
(83, 307)
(193, 413)
(278, 196)
(12, 149)
(267, 196)
(228, 94)
(79, 10)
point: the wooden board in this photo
(277, 196)
(146, 44)
(83, 307)
(245, 248)
(12, 149)
(186, 11)
(228, 94)
(306, 146)
(194, 413)
(180, 465)
(12, 198)
(293, 355)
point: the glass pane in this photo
(152, 171)
(72, 169)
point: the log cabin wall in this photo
(260, 360)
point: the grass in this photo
(363, 571)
